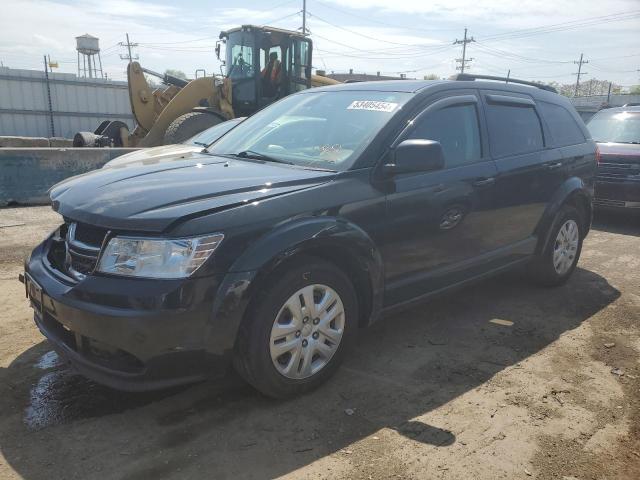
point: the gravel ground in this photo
(500, 380)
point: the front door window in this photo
(271, 71)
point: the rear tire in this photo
(557, 262)
(186, 126)
(311, 351)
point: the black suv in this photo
(306, 222)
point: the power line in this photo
(564, 26)
(516, 57)
(333, 54)
(368, 37)
(179, 42)
(282, 18)
(379, 22)
(368, 51)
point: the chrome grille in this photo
(83, 243)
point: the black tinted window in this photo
(513, 129)
(456, 128)
(564, 129)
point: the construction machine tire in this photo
(188, 125)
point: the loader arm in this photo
(200, 92)
(320, 81)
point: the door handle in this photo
(554, 166)
(483, 182)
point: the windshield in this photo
(240, 55)
(617, 127)
(327, 129)
(212, 134)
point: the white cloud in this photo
(130, 8)
(525, 13)
(182, 34)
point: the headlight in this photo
(157, 258)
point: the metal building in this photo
(77, 104)
(587, 107)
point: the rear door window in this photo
(457, 130)
(513, 129)
(564, 129)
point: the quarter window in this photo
(564, 129)
(457, 130)
(513, 129)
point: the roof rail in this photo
(467, 76)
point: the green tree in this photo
(635, 90)
(431, 76)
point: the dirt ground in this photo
(500, 380)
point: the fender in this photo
(572, 187)
(327, 237)
(335, 239)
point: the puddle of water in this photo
(62, 396)
(49, 360)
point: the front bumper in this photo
(623, 194)
(138, 334)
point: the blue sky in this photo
(412, 36)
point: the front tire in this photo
(557, 262)
(186, 126)
(297, 331)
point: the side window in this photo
(564, 129)
(300, 58)
(513, 129)
(456, 128)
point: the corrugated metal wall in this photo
(78, 104)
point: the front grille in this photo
(605, 202)
(75, 249)
(83, 247)
(618, 168)
(89, 234)
(82, 262)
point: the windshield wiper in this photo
(260, 156)
(201, 144)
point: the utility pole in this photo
(464, 60)
(304, 17)
(580, 72)
(129, 56)
(46, 77)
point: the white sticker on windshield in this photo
(372, 105)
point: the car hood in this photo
(152, 198)
(149, 156)
(625, 152)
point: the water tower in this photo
(88, 47)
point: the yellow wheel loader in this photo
(262, 65)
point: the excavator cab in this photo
(264, 64)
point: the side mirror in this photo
(218, 49)
(416, 156)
